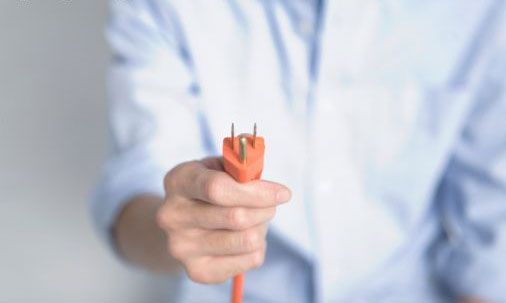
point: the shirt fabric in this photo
(385, 118)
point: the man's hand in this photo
(216, 227)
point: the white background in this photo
(53, 61)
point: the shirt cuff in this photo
(124, 177)
(476, 271)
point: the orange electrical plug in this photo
(243, 159)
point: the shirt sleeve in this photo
(470, 257)
(155, 121)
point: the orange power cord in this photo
(243, 159)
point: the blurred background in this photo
(53, 62)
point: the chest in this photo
(380, 110)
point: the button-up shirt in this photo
(387, 119)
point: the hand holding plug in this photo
(216, 227)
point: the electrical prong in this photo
(243, 147)
(232, 136)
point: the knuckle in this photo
(213, 189)
(169, 179)
(200, 275)
(161, 219)
(251, 240)
(271, 213)
(237, 218)
(165, 218)
(257, 259)
(196, 274)
(177, 250)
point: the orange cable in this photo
(243, 159)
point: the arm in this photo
(211, 225)
(472, 201)
(149, 102)
(140, 240)
(469, 255)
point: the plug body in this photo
(251, 167)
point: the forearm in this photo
(139, 239)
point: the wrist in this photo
(138, 238)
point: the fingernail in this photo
(283, 195)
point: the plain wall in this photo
(53, 61)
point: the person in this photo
(384, 125)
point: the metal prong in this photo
(232, 136)
(243, 147)
(254, 134)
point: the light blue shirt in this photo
(387, 119)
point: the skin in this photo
(208, 225)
